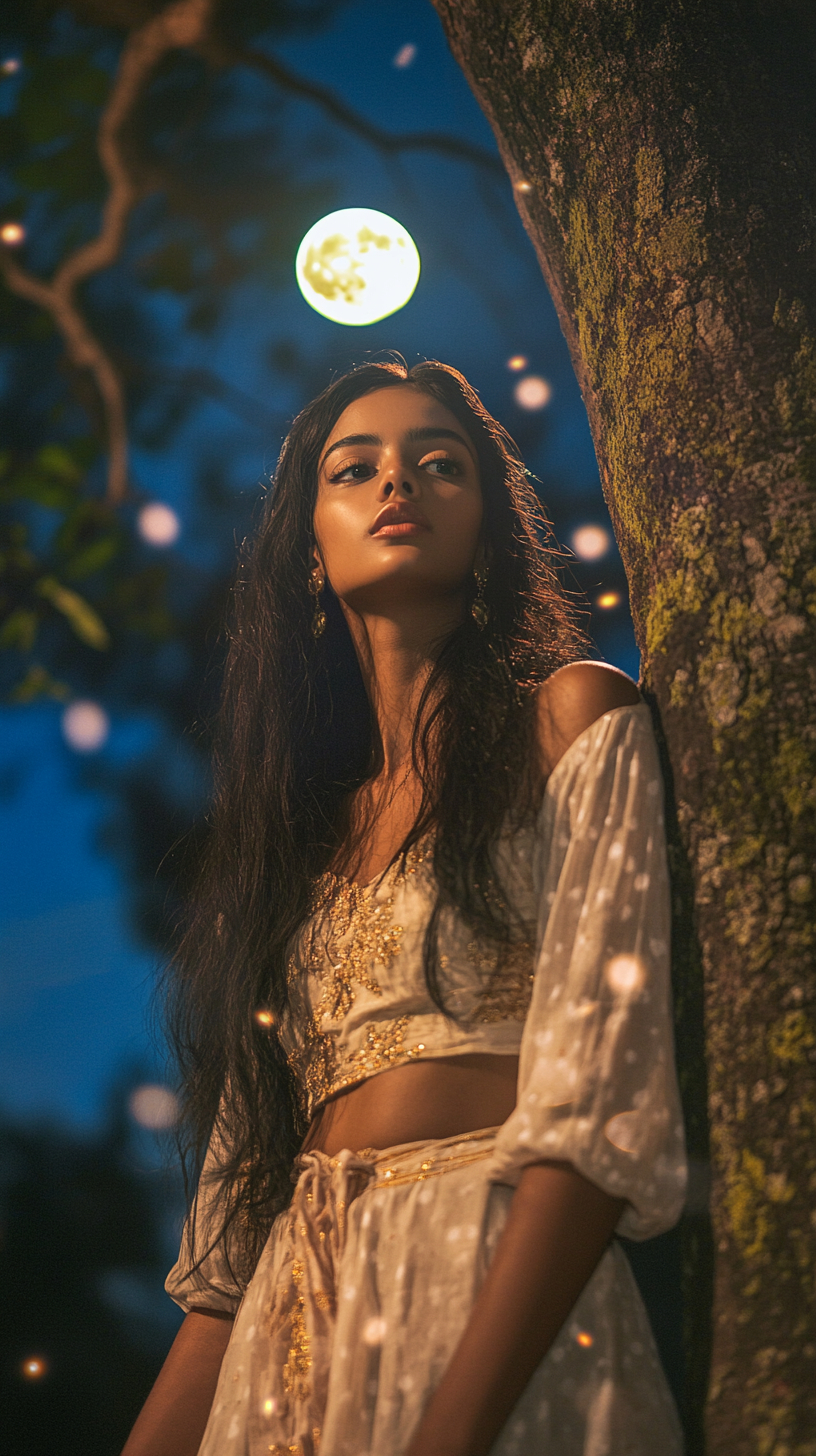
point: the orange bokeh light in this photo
(264, 1017)
(34, 1368)
(518, 361)
(608, 599)
(584, 1339)
(12, 234)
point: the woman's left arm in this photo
(557, 1229)
(596, 1139)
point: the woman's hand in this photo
(557, 1229)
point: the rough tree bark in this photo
(663, 160)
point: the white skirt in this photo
(360, 1297)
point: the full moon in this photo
(357, 265)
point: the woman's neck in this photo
(396, 658)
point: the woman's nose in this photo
(397, 484)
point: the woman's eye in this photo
(442, 465)
(352, 470)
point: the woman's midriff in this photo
(422, 1101)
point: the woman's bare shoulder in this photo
(572, 699)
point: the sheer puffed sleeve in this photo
(597, 1083)
(202, 1277)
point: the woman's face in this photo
(399, 503)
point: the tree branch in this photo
(222, 54)
(184, 24)
(181, 25)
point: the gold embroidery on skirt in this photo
(391, 1177)
(299, 1360)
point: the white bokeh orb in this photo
(590, 542)
(85, 726)
(374, 1331)
(356, 266)
(158, 525)
(625, 974)
(154, 1107)
(405, 57)
(532, 393)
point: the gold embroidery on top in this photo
(299, 1360)
(383, 1047)
(510, 973)
(350, 933)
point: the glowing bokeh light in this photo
(12, 234)
(523, 186)
(533, 392)
(591, 542)
(154, 1107)
(158, 525)
(621, 1130)
(584, 1339)
(374, 1331)
(608, 600)
(516, 362)
(405, 57)
(625, 974)
(85, 726)
(264, 1017)
(357, 265)
(10, 66)
(34, 1368)
(270, 1406)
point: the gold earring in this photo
(317, 581)
(478, 607)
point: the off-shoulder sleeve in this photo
(597, 1082)
(202, 1276)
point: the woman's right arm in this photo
(172, 1420)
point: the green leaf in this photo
(172, 267)
(30, 484)
(92, 558)
(59, 91)
(20, 629)
(51, 479)
(85, 622)
(71, 171)
(59, 461)
(38, 683)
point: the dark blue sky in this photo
(74, 987)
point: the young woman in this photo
(422, 1006)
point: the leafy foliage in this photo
(87, 607)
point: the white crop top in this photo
(584, 997)
(586, 1003)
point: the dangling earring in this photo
(478, 607)
(317, 581)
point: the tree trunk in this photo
(663, 160)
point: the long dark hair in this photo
(295, 736)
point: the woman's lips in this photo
(400, 528)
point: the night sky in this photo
(75, 985)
